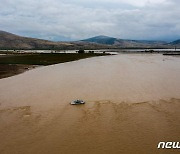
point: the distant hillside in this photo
(12, 41)
(123, 43)
(101, 40)
(177, 42)
(140, 43)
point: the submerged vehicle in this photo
(77, 102)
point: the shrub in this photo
(81, 51)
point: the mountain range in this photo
(124, 43)
(12, 41)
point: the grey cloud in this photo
(73, 20)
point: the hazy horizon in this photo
(71, 20)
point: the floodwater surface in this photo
(132, 103)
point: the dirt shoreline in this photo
(13, 64)
(8, 70)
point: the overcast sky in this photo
(79, 19)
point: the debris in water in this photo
(77, 102)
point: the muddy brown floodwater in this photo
(132, 103)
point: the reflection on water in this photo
(132, 104)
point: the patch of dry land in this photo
(132, 103)
(7, 70)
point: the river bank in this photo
(16, 63)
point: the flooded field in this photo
(132, 103)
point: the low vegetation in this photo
(12, 64)
(44, 58)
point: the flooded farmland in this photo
(132, 103)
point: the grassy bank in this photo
(13, 64)
(44, 59)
